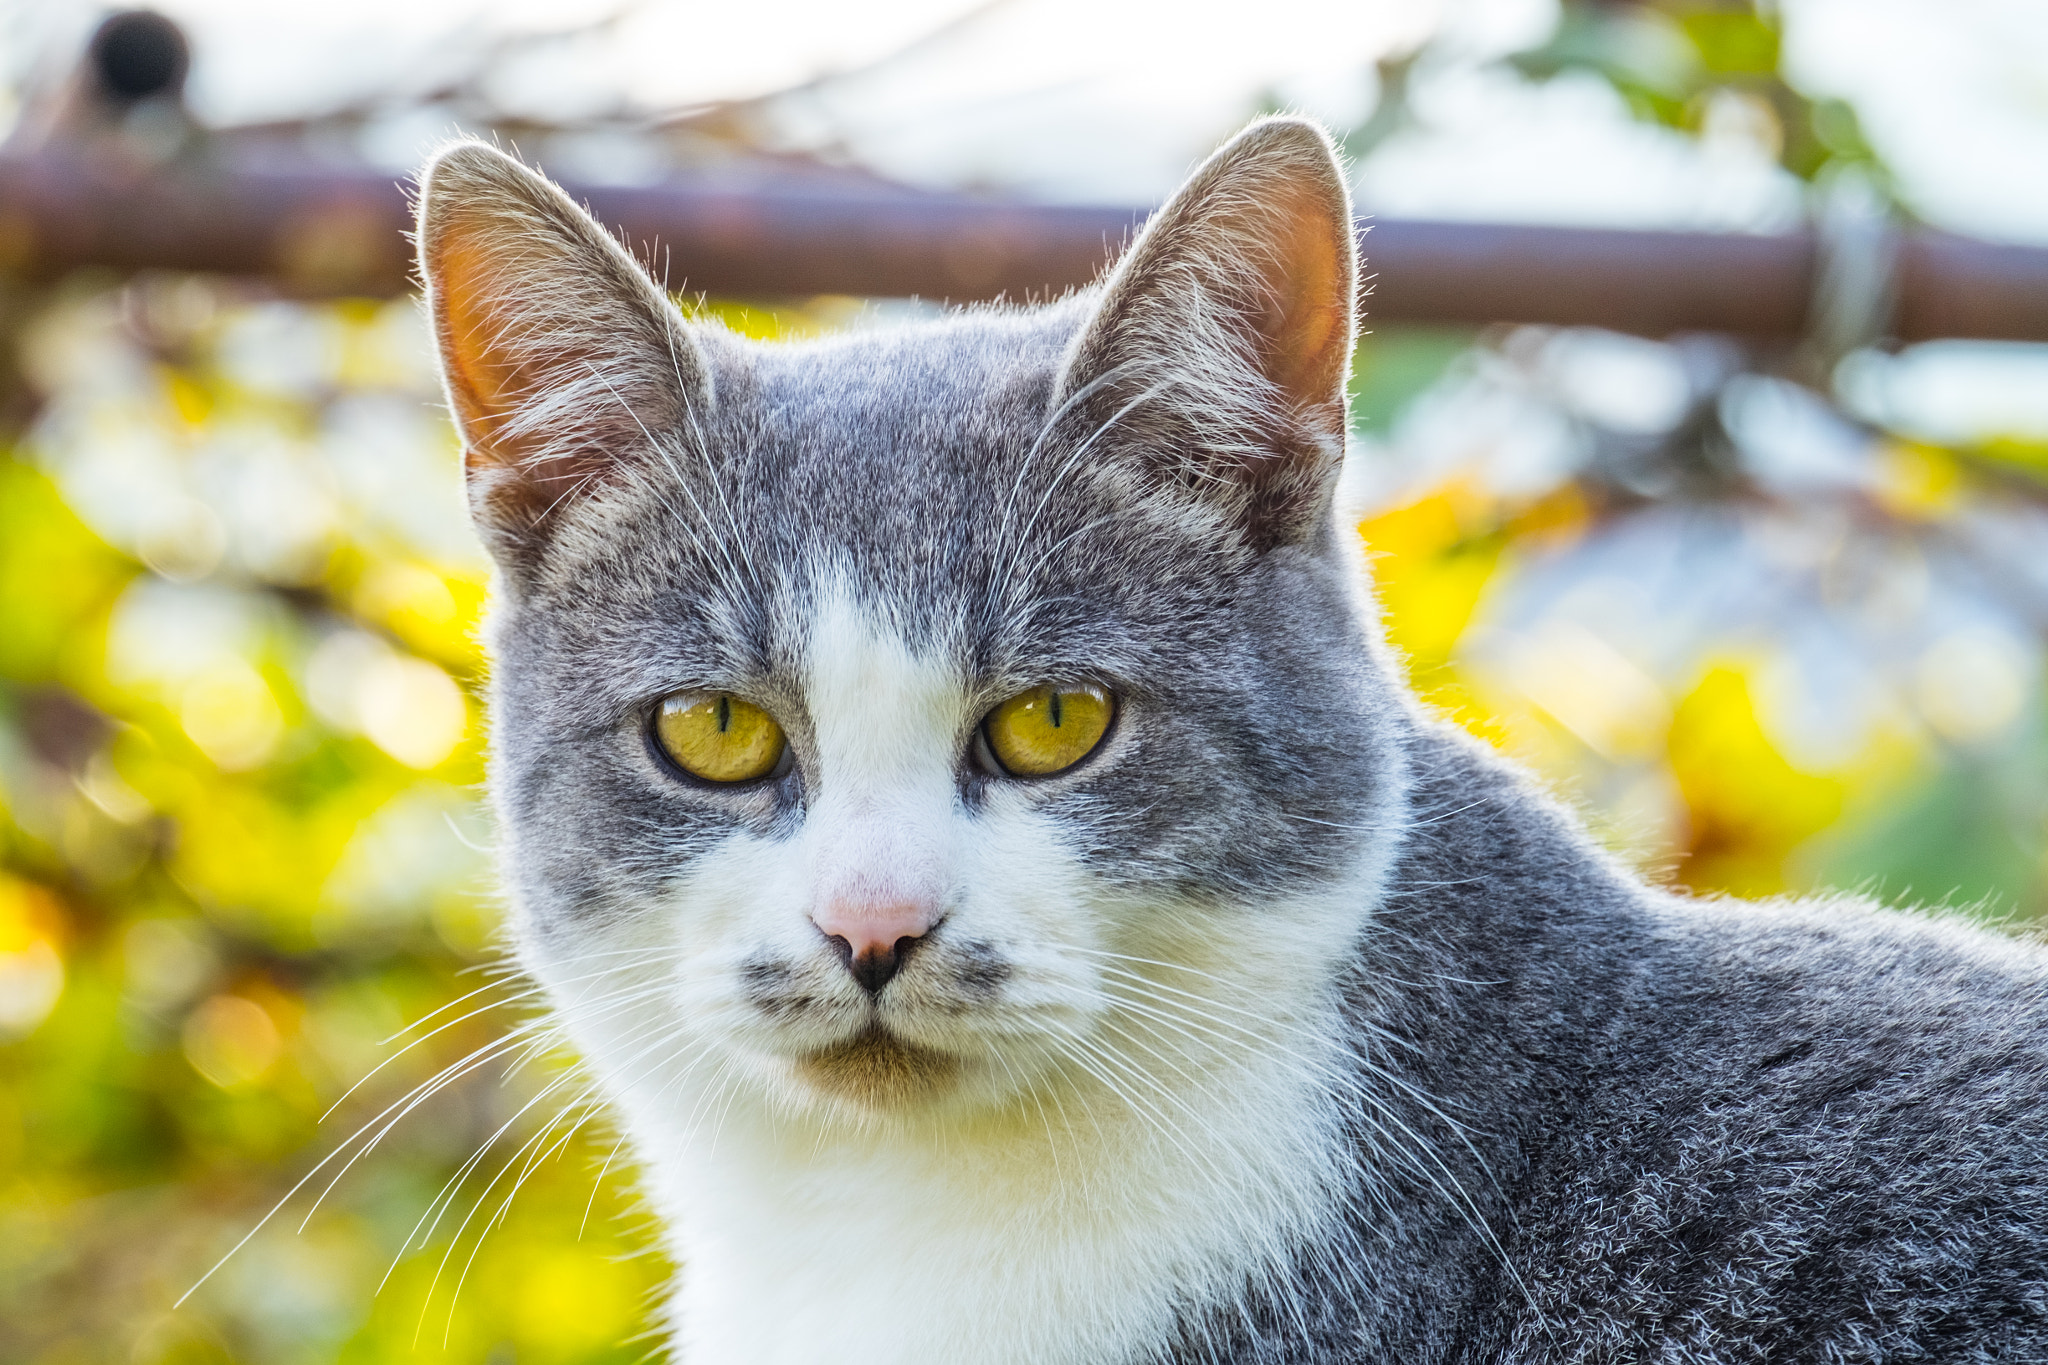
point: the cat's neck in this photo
(1481, 1009)
(1064, 1230)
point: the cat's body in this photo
(1284, 1024)
(1712, 1130)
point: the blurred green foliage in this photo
(241, 852)
(241, 839)
(1681, 62)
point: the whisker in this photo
(597, 1185)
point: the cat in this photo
(955, 792)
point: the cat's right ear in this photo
(563, 360)
(1221, 341)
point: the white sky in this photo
(1113, 99)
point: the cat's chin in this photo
(878, 1071)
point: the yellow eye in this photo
(719, 737)
(1048, 729)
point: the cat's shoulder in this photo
(1841, 1028)
(1845, 964)
(1817, 1129)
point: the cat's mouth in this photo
(879, 1070)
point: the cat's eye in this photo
(719, 737)
(1048, 729)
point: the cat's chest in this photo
(919, 1286)
(1027, 1253)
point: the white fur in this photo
(1066, 1195)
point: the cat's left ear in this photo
(565, 363)
(1221, 344)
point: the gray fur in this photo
(1701, 1130)
(1587, 1119)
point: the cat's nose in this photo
(874, 941)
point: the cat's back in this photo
(1818, 1134)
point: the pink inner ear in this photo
(483, 377)
(1309, 336)
(494, 369)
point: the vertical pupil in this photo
(724, 714)
(1055, 710)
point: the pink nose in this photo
(874, 939)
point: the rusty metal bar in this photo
(1650, 283)
(341, 231)
(1956, 287)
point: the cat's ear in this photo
(1221, 343)
(563, 360)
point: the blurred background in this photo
(1765, 599)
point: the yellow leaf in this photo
(1748, 807)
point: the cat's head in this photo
(879, 722)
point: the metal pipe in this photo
(320, 231)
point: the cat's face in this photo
(897, 724)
